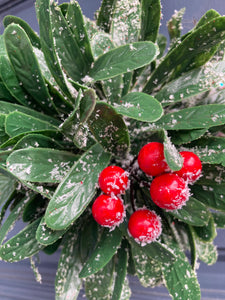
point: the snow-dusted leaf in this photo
(36, 140)
(103, 253)
(180, 137)
(207, 252)
(219, 219)
(174, 25)
(206, 233)
(139, 106)
(104, 17)
(34, 208)
(77, 189)
(172, 155)
(7, 186)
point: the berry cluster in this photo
(169, 190)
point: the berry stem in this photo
(132, 201)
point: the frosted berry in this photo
(192, 167)
(169, 191)
(151, 159)
(144, 226)
(108, 211)
(113, 179)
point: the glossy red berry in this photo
(192, 167)
(144, 226)
(169, 191)
(113, 180)
(151, 159)
(108, 211)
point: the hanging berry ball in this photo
(169, 191)
(108, 211)
(192, 167)
(113, 180)
(151, 159)
(144, 226)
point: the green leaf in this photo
(181, 280)
(174, 25)
(17, 123)
(172, 155)
(40, 164)
(46, 191)
(109, 129)
(193, 213)
(48, 47)
(5, 94)
(150, 19)
(105, 14)
(67, 282)
(125, 26)
(20, 247)
(192, 83)
(7, 187)
(180, 137)
(103, 253)
(195, 50)
(219, 219)
(131, 57)
(162, 43)
(206, 233)
(198, 117)
(207, 252)
(34, 38)
(34, 208)
(139, 106)
(3, 135)
(46, 236)
(94, 290)
(26, 66)
(77, 189)
(192, 245)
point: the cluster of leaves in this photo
(85, 94)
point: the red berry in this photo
(108, 211)
(192, 167)
(144, 226)
(113, 179)
(151, 159)
(169, 191)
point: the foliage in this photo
(86, 94)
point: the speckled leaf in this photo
(207, 252)
(105, 14)
(181, 280)
(174, 25)
(99, 285)
(150, 19)
(192, 83)
(172, 155)
(203, 116)
(46, 236)
(34, 38)
(17, 123)
(125, 26)
(139, 106)
(219, 219)
(3, 135)
(40, 164)
(180, 137)
(104, 251)
(206, 233)
(20, 246)
(7, 186)
(162, 43)
(77, 189)
(45, 190)
(26, 66)
(34, 208)
(67, 282)
(109, 129)
(193, 213)
(131, 56)
(195, 50)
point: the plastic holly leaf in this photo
(105, 14)
(20, 247)
(34, 208)
(48, 47)
(75, 19)
(148, 270)
(17, 123)
(46, 191)
(94, 290)
(4, 93)
(174, 25)
(150, 20)
(67, 282)
(139, 106)
(194, 51)
(131, 56)
(77, 189)
(219, 219)
(192, 245)
(192, 83)
(103, 253)
(172, 155)
(181, 280)
(125, 26)
(198, 117)
(120, 271)
(193, 213)
(162, 43)
(206, 233)
(26, 66)
(40, 164)
(180, 137)
(3, 135)
(207, 252)
(109, 129)
(46, 236)
(7, 186)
